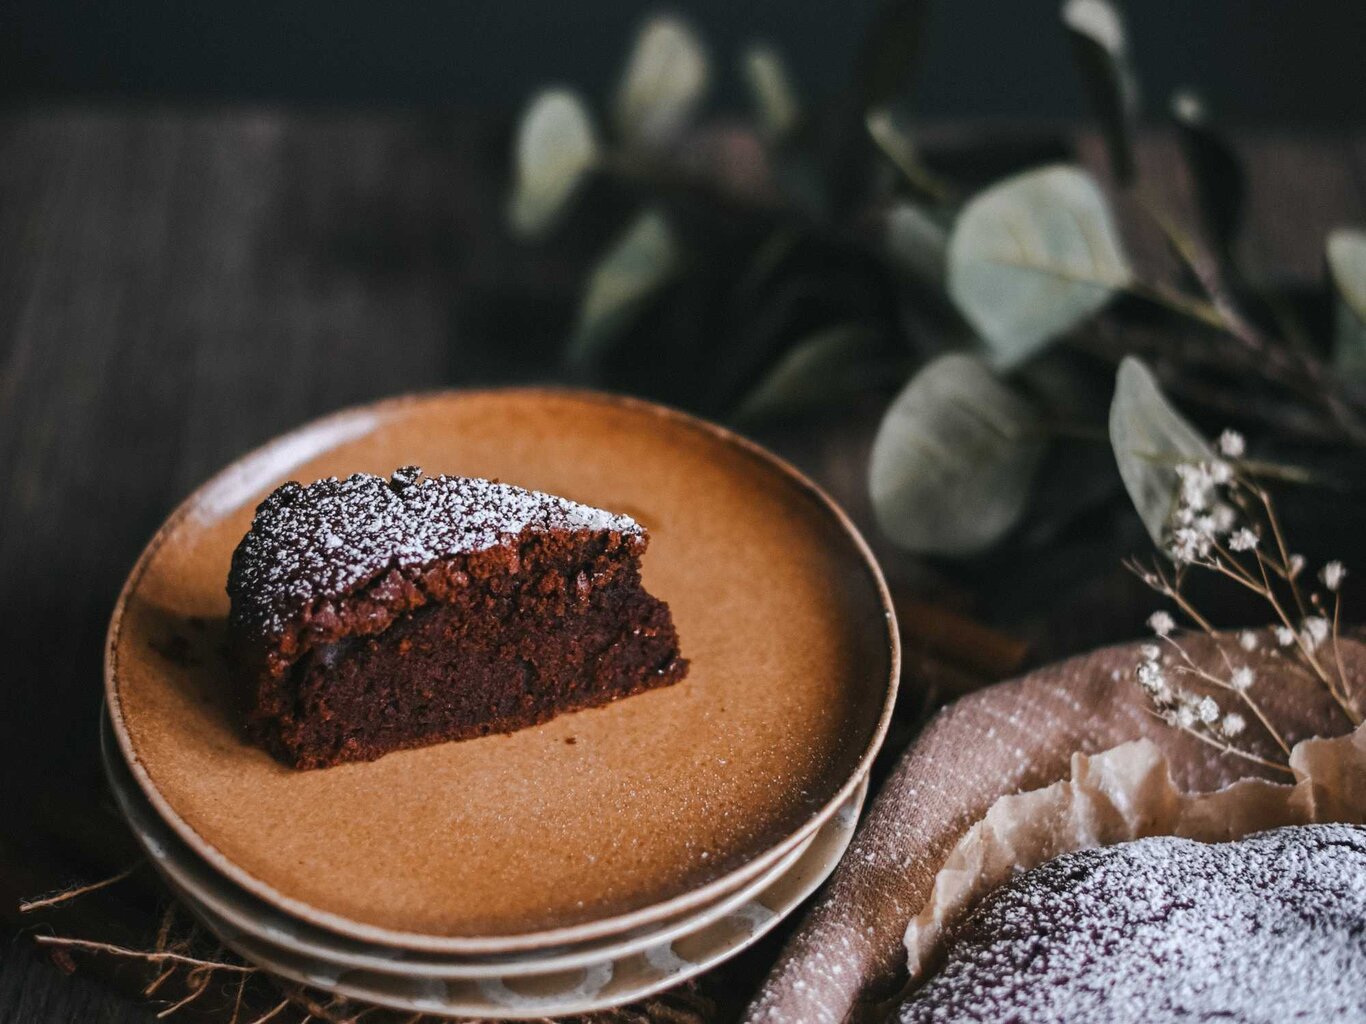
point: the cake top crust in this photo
(1269, 928)
(327, 539)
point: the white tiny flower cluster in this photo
(1314, 631)
(1186, 710)
(1154, 681)
(1161, 623)
(1200, 516)
(1214, 519)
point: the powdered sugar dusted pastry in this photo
(1270, 928)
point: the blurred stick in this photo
(970, 647)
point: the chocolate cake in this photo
(1264, 930)
(370, 615)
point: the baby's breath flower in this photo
(1187, 544)
(1233, 724)
(1243, 540)
(1208, 710)
(1285, 636)
(1224, 517)
(1220, 472)
(1150, 652)
(1197, 483)
(1185, 716)
(1242, 679)
(1151, 677)
(1231, 444)
(1332, 575)
(1315, 631)
(1248, 640)
(1295, 566)
(1161, 623)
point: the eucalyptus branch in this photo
(1294, 366)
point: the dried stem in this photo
(237, 999)
(165, 956)
(1253, 706)
(271, 1014)
(70, 894)
(197, 988)
(1206, 532)
(1227, 748)
(1294, 368)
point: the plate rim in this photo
(532, 962)
(590, 1004)
(295, 445)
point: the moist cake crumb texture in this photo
(1264, 930)
(372, 614)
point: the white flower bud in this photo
(1161, 623)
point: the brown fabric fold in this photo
(847, 958)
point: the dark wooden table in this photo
(177, 287)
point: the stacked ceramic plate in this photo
(577, 865)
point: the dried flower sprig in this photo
(1224, 521)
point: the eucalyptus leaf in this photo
(556, 147)
(775, 100)
(1150, 438)
(826, 369)
(1220, 185)
(895, 140)
(1347, 267)
(954, 459)
(1033, 257)
(917, 243)
(666, 77)
(1100, 44)
(643, 259)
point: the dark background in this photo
(1260, 62)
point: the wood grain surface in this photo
(177, 286)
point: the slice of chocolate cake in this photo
(370, 615)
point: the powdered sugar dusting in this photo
(328, 538)
(1271, 928)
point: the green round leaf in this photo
(665, 79)
(556, 146)
(1033, 257)
(775, 101)
(1101, 47)
(1347, 267)
(641, 261)
(916, 243)
(895, 140)
(828, 368)
(1150, 439)
(954, 459)
(1220, 184)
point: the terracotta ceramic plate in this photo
(595, 822)
(234, 908)
(596, 985)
